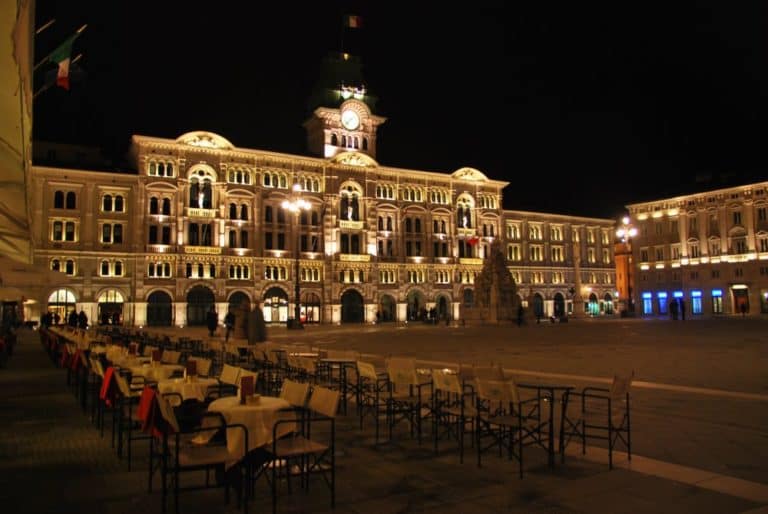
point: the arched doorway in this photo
(238, 300)
(275, 306)
(442, 306)
(110, 307)
(538, 305)
(608, 303)
(351, 307)
(559, 305)
(417, 305)
(387, 309)
(159, 309)
(310, 308)
(61, 302)
(593, 307)
(200, 299)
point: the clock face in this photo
(350, 119)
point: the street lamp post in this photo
(295, 205)
(626, 232)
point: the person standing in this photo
(82, 320)
(229, 323)
(682, 309)
(256, 327)
(212, 321)
(73, 319)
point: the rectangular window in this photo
(281, 240)
(166, 235)
(737, 217)
(268, 240)
(764, 244)
(644, 255)
(69, 231)
(717, 301)
(659, 254)
(762, 214)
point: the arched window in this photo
(343, 140)
(119, 204)
(303, 218)
(166, 206)
(118, 268)
(69, 267)
(243, 239)
(161, 169)
(58, 200)
(408, 224)
(268, 214)
(334, 140)
(267, 180)
(232, 239)
(104, 268)
(365, 143)
(280, 216)
(417, 226)
(106, 204)
(153, 206)
(169, 169)
(232, 211)
(381, 223)
(55, 265)
(315, 221)
(244, 212)
(71, 200)
(151, 269)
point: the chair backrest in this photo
(619, 392)
(122, 385)
(247, 373)
(166, 412)
(497, 391)
(367, 370)
(229, 374)
(324, 401)
(402, 371)
(170, 357)
(295, 392)
(446, 381)
(203, 365)
(488, 372)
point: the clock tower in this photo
(349, 127)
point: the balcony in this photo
(203, 250)
(351, 225)
(351, 257)
(471, 260)
(194, 212)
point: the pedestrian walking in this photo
(257, 328)
(229, 323)
(212, 321)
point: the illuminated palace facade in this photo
(709, 249)
(201, 222)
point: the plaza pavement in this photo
(699, 428)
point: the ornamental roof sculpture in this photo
(203, 139)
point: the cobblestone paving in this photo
(53, 460)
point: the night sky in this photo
(583, 109)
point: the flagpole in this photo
(51, 22)
(45, 59)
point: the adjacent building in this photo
(708, 249)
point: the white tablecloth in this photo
(155, 372)
(259, 418)
(188, 389)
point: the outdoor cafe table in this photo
(188, 388)
(342, 363)
(258, 416)
(551, 392)
(155, 371)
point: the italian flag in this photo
(62, 56)
(353, 22)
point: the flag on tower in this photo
(62, 56)
(353, 22)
